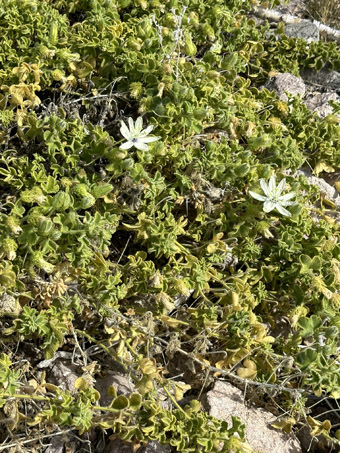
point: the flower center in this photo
(134, 140)
(274, 199)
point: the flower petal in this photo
(257, 196)
(282, 210)
(131, 125)
(269, 206)
(126, 145)
(288, 203)
(125, 131)
(280, 187)
(287, 196)
(141, 146)
(264, 187)
(147, 131)
(138, 124)
(272, 184)
(150, 139)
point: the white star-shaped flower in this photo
(273, 198)
(135, 136)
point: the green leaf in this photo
(120, 402)
(306, 357)
(51, 185)
(242, 170)
(7, 277)
(309, 325)
(308, 264)
(135, 401)
(148, 366)
(102, 190)
(112, 391)
(81, 384)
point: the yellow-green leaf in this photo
(135, 401)
(120, 403)
(322, 166)
(286, 424)
(81, 384)
(148, 366)
(112, 391)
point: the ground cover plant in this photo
(150, 208)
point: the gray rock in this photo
(323, 78)
(319, 103)
(117, 446)
(330, 192)
(225, 401)
(286, 82)
(116, 377)
(154, 447)
(303, 29)
(56, 445)
(64, 374)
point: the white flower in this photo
(135, 136)
(273, 198)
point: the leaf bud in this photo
(134, 44)
(208, 31)
(53, 34)
(144, 29)
(213, 75)
(87, 201)
(55, 235)
(182, 287)
(45, 227)
(46, 52)
(167, 68)
(81, 190)
(39, 261)
(35, 216)
(193, 18)
(66, 182)
(61, 201)
(190, 47)
(161, 87)
(170, 20)
(136, 89)
(13, 224)
(166, 302)
(9, 247)
(34, 195)
(58, 75)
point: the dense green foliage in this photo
(104, 243)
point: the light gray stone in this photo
(155, 447)
(286, 82)
(319, 103)
(303, 29)
(323, 78)
(117, 446)
(116, 377)
(330, 192)
(225, 401)
(64, 374)
(56, 445)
